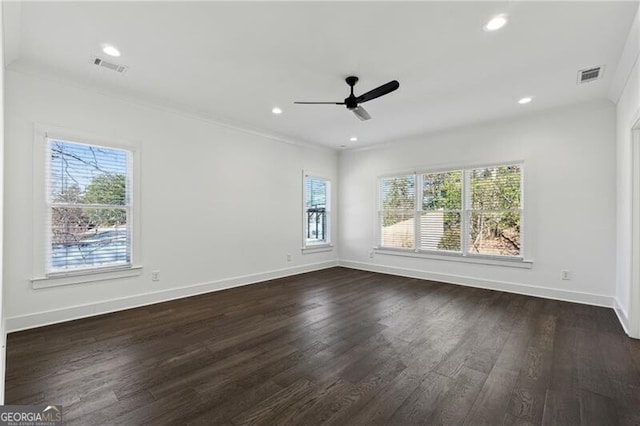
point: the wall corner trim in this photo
(627, 61)
(623, 317)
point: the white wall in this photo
(218, 241)
(2, 325)
(569, 196)
(219, 206)
(627, 112)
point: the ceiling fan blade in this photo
(320, 103)
(378, 91)
(361, 113)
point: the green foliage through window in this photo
(495, 210)
(89, 196)
(480, 205)
(398, 203)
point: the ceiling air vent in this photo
(109, 65)
(590, 74)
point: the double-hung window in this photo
(441, 214)
(317, 214)
(398, 198)
(469, 212)
(88, 207)
(494, 212)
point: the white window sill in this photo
(318, 248)
(514, 262)
(79, 277)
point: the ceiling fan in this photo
(353, 102)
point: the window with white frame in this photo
(468, 212)
(398, 198)
(441, 211)
(317, 216)
(88, 214)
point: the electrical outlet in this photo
(155, 275)
(288, 257)
(371, 253)
(566, 274)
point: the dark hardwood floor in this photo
(337, 346)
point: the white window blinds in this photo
(316, 210)
(494, 210)
(88, 207)
(469, 212)
(441, 216)
(397, 213)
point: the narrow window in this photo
(441, 215)
(316, 211)
(494, 210)
(397, 211)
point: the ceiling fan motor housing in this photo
(351, 101)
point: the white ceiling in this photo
(234, 61)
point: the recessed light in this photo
(110, 50)
(343, 146)
(353, 139)
(525, 100)
(276, 110)
(496, 23)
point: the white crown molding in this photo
(11, 19)
(164, 106)
(627, 61)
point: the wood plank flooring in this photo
(338, 346)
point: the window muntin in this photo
(468, 212)
(316, 211)
(88, 207)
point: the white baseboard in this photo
(623, 317)
(40, 319)
(528, 290)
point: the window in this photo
(441, 214)
(467, 212)
(398, 195)
(316, 211)
(88, 197)
(494, 212)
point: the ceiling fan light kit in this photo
(352, 102)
